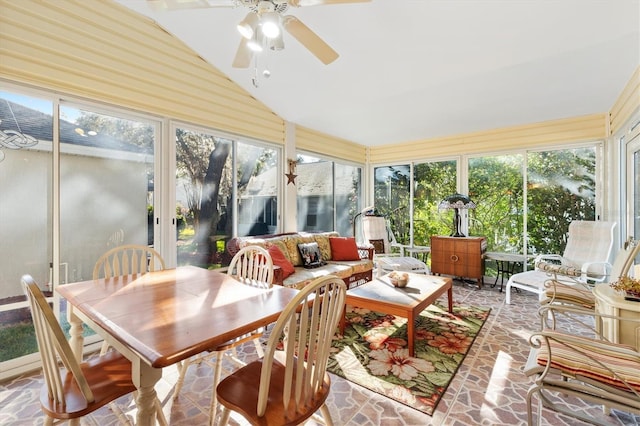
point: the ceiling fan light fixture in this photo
(270, 24)
(255, 44)
(277, 43)
(247, 27)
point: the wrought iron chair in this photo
(251, 265)
(592, 369)
(124, 260)
(588, 248)
(79, 388)
(289, 386)
(566, 286)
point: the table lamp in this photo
(457, 202)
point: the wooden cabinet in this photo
(458, 256)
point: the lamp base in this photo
(456, 225)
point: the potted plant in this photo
(629, 286)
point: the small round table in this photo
(609, 302)
(506, 264)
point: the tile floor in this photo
(489, 388)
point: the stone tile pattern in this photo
(489, 388)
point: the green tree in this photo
(495, 185)
(561, 188)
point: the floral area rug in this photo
(373, 352)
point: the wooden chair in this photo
(128, 259)
(252, 265)
(79, 388)
(588, 248)
(125, 260)
(283, 388)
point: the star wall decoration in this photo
(291, 176)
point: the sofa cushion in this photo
(279, 242)
(244, 242)
(279, 259)
(304, 276)
(356, 266)
(291, 242)
(344, 248)
(322, 239)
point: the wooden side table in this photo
(609, 302)
(458, 256)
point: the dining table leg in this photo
(145, 378)
(76, 341)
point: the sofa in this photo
(337, 257)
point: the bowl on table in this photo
(399, 279)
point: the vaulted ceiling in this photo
(418, 69)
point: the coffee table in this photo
(381, 296)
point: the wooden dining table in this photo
(164, 317)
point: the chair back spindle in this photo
(308, 325)
(252, 265)
(128, 259)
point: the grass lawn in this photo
(19, 339)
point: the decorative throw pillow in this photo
(279, 259)
(310, 253)
(344, 248)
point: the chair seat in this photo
(109, 378)
(239, 392)
(402, 263)
(591, 363)
(572, 294)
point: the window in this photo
(328, 195)
(432, 182)
(560, 187)
(206, 188)
(391, 186)
(495, 185)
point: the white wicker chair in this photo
(588, 248)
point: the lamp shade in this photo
(247, 27)
(457, 201)
(270, 22)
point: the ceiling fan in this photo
(263, 25)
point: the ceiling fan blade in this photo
(309, 39)
(188, 4)
(299, 3)
(243, 55)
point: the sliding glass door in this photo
(26, 130)
(106, 186)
